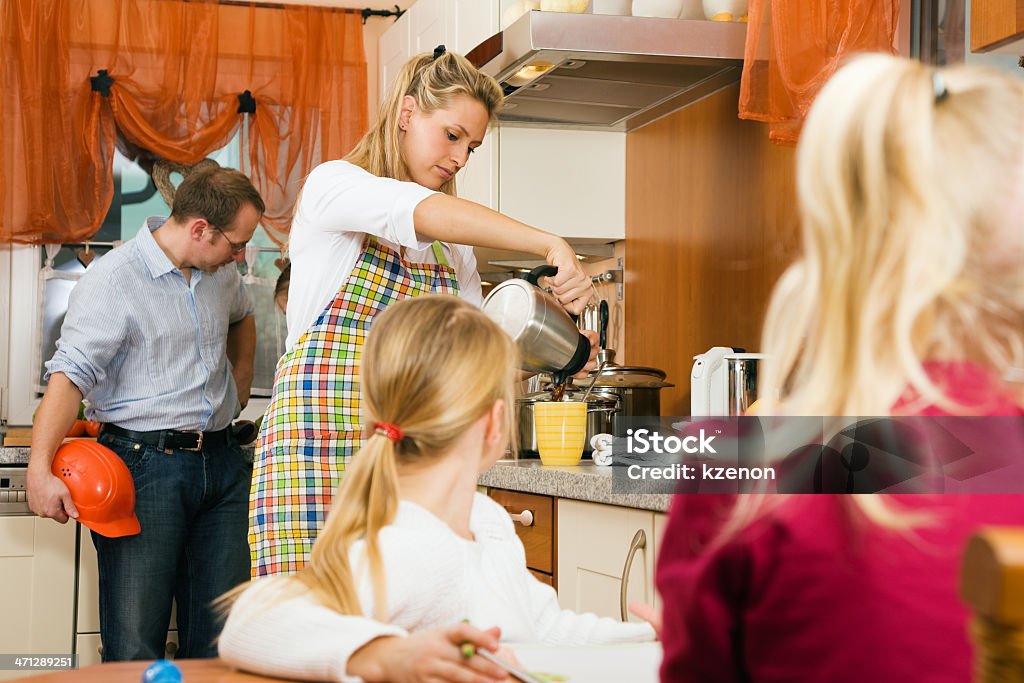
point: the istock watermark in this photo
(818, 455)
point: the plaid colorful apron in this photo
(312, 425)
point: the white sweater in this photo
(435, 578)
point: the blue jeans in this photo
(193, 510)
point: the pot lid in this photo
(631, 376)
(571, 393)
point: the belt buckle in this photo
(199, 445)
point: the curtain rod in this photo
(366, 12)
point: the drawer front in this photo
(543, 578)
(538, 538)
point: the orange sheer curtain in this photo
(794, 46)
(177, 74)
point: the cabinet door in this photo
(475, 22)
(37, 563)
(569, 182)
(432, 25)
(594, 542)
(393, 51)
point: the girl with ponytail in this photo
(408, 540)
(379, 226)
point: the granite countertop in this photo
(585, 481)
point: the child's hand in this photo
(648, 614)
(429, 657)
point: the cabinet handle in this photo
(525, 517)
(639, 542)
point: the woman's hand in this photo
(433, 656)
(571, 286)
(592, 361)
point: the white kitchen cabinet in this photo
(37, 563)
(569, 182)
(393, 51)
(594, 542)
(433, 24)
(475, 22)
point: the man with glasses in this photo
(159, 338)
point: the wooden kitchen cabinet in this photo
(594, 542)
(997, 26)
(535, 524)
(37, 563)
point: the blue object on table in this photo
(162, 671)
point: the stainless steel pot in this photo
(547, 338)
(637, 389)
(600, 410)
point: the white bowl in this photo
(657, 8)
(617, 7)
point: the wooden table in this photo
(192, 670)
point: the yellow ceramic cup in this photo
(561, 431)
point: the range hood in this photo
(603, 72)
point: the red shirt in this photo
(810, 592)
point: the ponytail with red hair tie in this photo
(392, 431)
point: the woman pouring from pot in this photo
(381, 225)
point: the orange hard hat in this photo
(101, 487)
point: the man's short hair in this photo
(215, 194)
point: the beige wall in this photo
(372, 30)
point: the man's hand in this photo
(433, 656)
(49, 497)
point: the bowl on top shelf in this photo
(620, 8)
(577, 6)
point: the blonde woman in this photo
(372, 229)
(908, 300)
(409, 541)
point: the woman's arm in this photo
(450, 219)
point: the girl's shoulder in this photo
(489, 521)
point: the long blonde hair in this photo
(433, 83)
(901, 171)
(433, 365)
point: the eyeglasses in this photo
(235, 247)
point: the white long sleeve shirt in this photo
(435, 578)
(339, 205)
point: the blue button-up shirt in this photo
(146, 347)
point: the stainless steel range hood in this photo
(603, 72)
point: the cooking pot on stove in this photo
(600, 410)
(637, 389)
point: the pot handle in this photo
(539, 272)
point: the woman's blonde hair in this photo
(902, 170)
(433, 365)
(433, 82)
